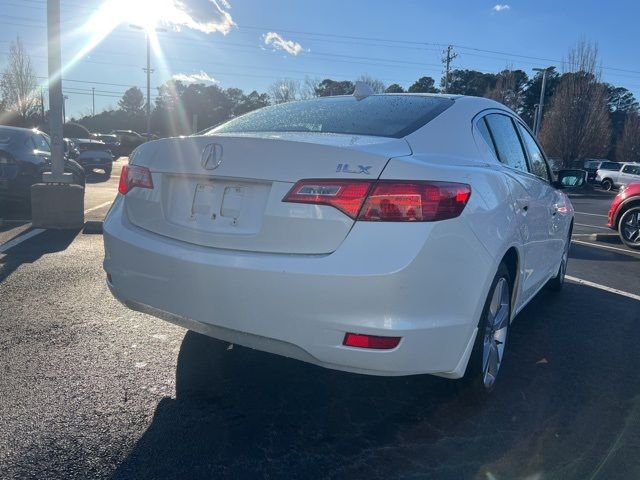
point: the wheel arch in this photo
(511, 259)
(623, 207)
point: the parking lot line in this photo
(592, 214)
(593, 226)
(97, 207)
(18, 240)
(602, 287)
(591, 244)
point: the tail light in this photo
(370, 341)
(385, 200)
(134, 176)
(345, 195)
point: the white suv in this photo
(609, 179)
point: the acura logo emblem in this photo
(211, 156)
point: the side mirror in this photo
(570, 179)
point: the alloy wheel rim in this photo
(631, 228)
(495, 335)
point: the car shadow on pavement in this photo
(584, 252)
(97, 177)
(29, 251)
(567, 406)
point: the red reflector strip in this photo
(370, 341)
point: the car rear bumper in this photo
(301, 306)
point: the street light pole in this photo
(56, 102)
(537, 123)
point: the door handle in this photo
(523, 203)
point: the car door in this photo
(531, 201)
(551, 200)
(629, 174)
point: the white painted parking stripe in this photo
(592, 226)
(18, 240)
(37, 231)
(603, 287)
(592, 214)
(591, 244)
(98, 206)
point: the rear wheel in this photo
(489, 348)
(629, 228)
(607, 184)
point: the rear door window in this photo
(507, 141)
(536, 158)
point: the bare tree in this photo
(578, 124)
(376, 85)
(285, 90)
(628, 145)
(508, 88)
(309, 87)
(18, 85)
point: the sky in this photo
(249, 44)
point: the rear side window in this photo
(536, 159)
(610, 166)
(507, 142)
(378, 115)
(40, 143)
(632, 169)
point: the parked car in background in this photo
(624, 215)
(111, 141)
(129, 140)
(70, 149)
(24, 155)
(591, 166)
(94, 154)
(625, 174)
(380, 235)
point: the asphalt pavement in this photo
(90, 389)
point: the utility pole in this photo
(447, 59)
(148, 87)
(93, 101)
(42, 103)
(537, 122)
(64, 109)
(149, 71)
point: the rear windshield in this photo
(378, 115)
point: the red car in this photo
(624, 215)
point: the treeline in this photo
(584, 117)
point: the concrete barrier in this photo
(57, 206)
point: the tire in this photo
(607, 184)
(557, 282)
(488, 351)
(629, 228)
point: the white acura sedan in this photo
(380, 234)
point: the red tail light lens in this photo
(370, 341)
(392, 201)
(134, 176)
(345, 195)
(385, 200)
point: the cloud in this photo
(207, 16)
(276, 42)
(501, 7)
(202, 77)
